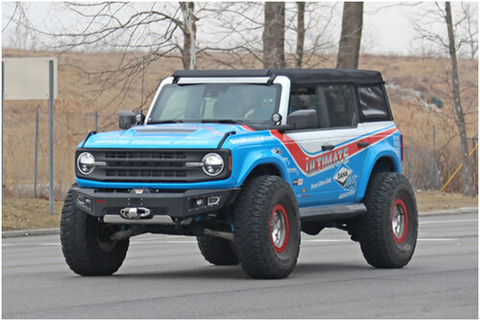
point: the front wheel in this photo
(388, 232)
(267, 228)
(86, 243)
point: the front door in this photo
(330, 158)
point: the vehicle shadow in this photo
(302, 270)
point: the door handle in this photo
(363, 144)
(327, 147)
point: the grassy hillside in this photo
(82, 91)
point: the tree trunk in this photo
(349, 47)
(274, 35)
(457, 103)
(300, 34)
(189, 52)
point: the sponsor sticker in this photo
(298, 182)
(256, 139)
(342, 175)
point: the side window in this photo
(341, 105)
(308, 98)
(302, 98)
(373, 104)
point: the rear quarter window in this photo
(373, 103)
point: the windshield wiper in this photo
(173, 121)
(221, 121)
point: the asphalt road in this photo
(166, 277)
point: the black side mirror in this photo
(303, 119)
(126, 119)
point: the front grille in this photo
(129, 155)
(117, 165)
(145, 164)
(150, 173)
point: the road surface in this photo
(166, 277)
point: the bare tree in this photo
(300, 34)
(23, 36)
(426, 24)
(233, 36)
(141, 32)
(470, 12)
(349, 47)
(468, 189)
(189, 52)
(274, 35)
(451, 43)
(314, 40)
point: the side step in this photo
(331, 212)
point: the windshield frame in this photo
(168, 83)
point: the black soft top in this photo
(298, 77)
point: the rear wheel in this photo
(217, 251)
(86, 243)
(388, 232)
(267, 228)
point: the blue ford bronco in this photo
(246, 161)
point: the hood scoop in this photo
(164, 130)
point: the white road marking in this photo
(325, 241)
(436, 240)
(452, 221)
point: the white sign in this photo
(28, 78)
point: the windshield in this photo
(249, 104)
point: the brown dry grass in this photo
(74, 115)
(24, 214)
(429, 200)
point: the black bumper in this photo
(174, 204)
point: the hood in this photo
(199, 136)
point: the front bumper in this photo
(176, 204)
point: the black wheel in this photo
(267, 228)
(388, 232)
(217, 251)
(86, 243)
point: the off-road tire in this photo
(85, 244)
(265, 248)
(388, 231)
(217, 251)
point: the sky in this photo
(387, 26)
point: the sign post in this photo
(26, 79)
(50, 115)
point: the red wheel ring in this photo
(399, 219)
(279, 228)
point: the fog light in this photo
(84, 202)
(195, 204)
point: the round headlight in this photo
(212, 164)
(86, 163)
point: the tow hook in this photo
(131, 213)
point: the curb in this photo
(454, 211)
(37, 232)
(55, 231)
